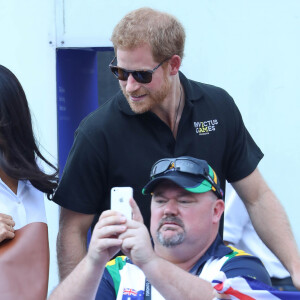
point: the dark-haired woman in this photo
(22, 187)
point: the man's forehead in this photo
(143, 51)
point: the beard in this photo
(151, 100)
(174, 240)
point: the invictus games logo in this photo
(205, 127)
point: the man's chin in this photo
(170, 238)
(170, 233)
(139, 107)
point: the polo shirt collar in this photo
(216, 250)
(192, 90)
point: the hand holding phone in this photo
(120, 200)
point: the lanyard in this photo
(147, 295)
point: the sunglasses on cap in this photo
(141, 76)
(185, 165)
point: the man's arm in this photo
(174, 283)
(71, 240)
(82, 283)
(270, 221)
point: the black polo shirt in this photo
(113, 146)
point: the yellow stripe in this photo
(113, 261)
(215, 178)
(238, 251)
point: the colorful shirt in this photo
(124, 280)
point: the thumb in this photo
(136, 213)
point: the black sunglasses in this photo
(185, 165)
(142, 76)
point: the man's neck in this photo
(180, 256)
(170, 110)
(187, 254)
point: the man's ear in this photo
(175, 63)
(218, 210)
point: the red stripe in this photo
(238, 295)
(233, 292)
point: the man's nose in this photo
(171, 207)
(132, 85)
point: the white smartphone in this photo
(119, 200)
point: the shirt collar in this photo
(21, 185)
(217, 250)
(192, 90)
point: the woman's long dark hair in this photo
(18, 149)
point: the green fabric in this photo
(205, 185)
(202, 188)
(113, 267)
(236, 252)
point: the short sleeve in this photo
(244, 154)
(246, 266)
(82, 186)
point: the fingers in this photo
(6, 219)
(105, 241)
(5, 216)
(9, 228)
(110, 217)
(10, 235)
(101, 250)
(110, 213)
(137, 246)
(6, 232)
(110, 225)
(111, 231)
(136, 213)
(139, 232)
(136, 236)
(108, 243)
(10, 223)
(6, 227)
